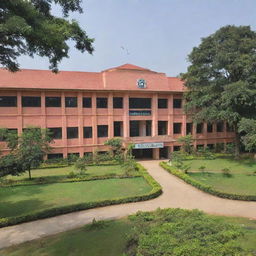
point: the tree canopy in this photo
(29, 28)
(221, 78)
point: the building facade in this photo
(84, 109)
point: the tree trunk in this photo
(237, 144)
(29, 172)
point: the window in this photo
(8, 101)
(87, 132)
(70, 102)
(162, 127)
(200, 147)
(220, 127)
(189, 128)
(72, 132)
(102, 102)
(118, 129)
(230, 128)
(53, 102)
(87, 102)
(148, 127)
(176, 148)
(134, 128)
(56, 133)
(9, 131)
(199, 128)
(177, 103)
(54, 156)
(162, 103)
(117, 102)
(102, 131)
(176, 128)
(209, 128)
(210, 146)
(28, 101)
(139, 103)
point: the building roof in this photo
(120, 78)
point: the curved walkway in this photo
(176, 193)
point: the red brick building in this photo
(83, 109)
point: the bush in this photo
(202, 168)
(226, 172)
(206, 188)
(80, 164)
(71, 175)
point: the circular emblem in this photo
(141, 83)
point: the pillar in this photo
(156, 153)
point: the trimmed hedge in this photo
(206, 188)
(155, 192)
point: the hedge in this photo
(155, 192)
(206, 188)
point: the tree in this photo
(28, 27)
(248, 128)
(33, 145)
(186, 142)
(221, 79)
(116, 148)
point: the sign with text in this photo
(149, 145)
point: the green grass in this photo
(64, 171)
(22, 200)
(108, 241)
(245, 166)
(241, 182)
(236, 184)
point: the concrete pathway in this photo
(176, 193)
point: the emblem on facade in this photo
(141, 83)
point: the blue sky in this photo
(156, 34)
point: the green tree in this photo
(116, 148)
(248, 128)
(186, 142)
(28, 27)
(33, 145)
(221, 79)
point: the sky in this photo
(155, 34)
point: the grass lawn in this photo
(21, 200)
(64, 171)
(241, 182)
(107, 241)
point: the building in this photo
(83, 109)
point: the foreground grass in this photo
(22, 200)
(242, 180)
(110, 240)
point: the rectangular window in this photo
(118, 129)
(176, 148)
(56, 133)
(199, 128)
(189, 128)
(72, 132)
(148, 127)
(31, 101)
(209, 128)
(87, 102)
(12, 131)
(102, 131)
(70, 102)
(177, 103)
(87, 132)
(54, 156)
(162, 127)
(102, 102)
(139, 103)
(162, 103)
(8, 101)
(230, 128)
(117, 102)
(177, 128)
(53, 102)
(220, 127)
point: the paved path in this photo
(176, 194)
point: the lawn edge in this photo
(206, 188)
(155, 192)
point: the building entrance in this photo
(143, 153)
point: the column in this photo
(64, 126)
(155, 115)
(156, 153)
(94, 120)
(126, 119)
(19, 117)
(80, 123)
(110, 116)
(170, 115)
(43, 110)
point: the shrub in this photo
(80, 164)
(202, 168)
(226, 172)
(71, 175)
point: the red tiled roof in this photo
(72, 80)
